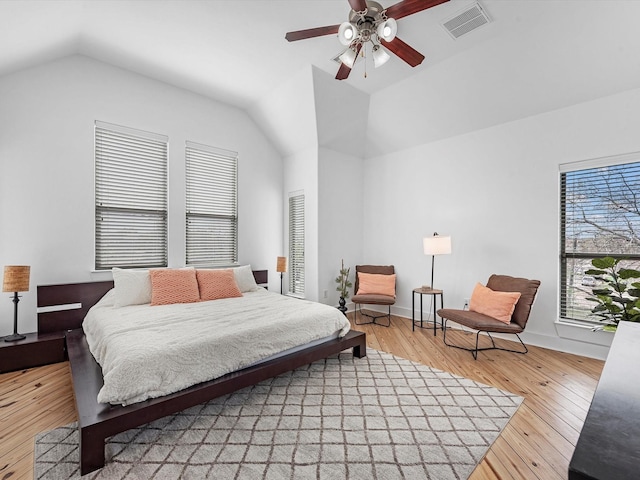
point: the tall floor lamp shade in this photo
(436, 245)
(281, 267)
(16, 279)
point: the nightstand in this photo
(35, 350)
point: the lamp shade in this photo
(281, 265)
(16, 278)
(387, 30)
(347, 32)
(380, 57)
(437, 245)
(348, 57)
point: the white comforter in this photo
(147, 352)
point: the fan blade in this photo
(404, 51)
(409, 7)
(358, 5)
(344, 71)
(312, 32)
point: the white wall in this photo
(46, 159)
(341, 118)
(340, 219)
(311, 116)
(495, 191)
(287, 114)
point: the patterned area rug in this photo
(378, 417)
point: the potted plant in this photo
(343, 287)
(617, 296)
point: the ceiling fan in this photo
(369, 22)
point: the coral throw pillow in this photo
(216, 284)
(174, 286)
(499, 305)
(376, 284)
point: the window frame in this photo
(296, 204)
(122, 157)
(216, 206)
(566, 256)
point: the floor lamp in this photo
(16, 279)
(281, 267)
(436, 245)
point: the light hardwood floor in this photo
(536, 444)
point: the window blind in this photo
(599, 216)
(296, 244)
(130, 197)
(212, 205)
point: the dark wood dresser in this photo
(609, 445)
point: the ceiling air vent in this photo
(469, 19)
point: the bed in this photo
(64, 307)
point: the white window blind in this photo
(296, 244)
(212, 205)
(599, 216)
(130, 197)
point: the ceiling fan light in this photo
(380, 57)
(387, 30)
(347, 33)
(348, 57)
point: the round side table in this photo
(426, 291)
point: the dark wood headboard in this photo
(63, 307)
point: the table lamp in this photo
(16, 279)
(436, 245)
(281, 267)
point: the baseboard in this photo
(535, 339)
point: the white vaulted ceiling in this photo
(535, 55)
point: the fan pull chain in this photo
(364, 58)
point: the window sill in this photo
(294, 295)
(582, 333)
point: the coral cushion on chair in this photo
(499, 305)
(376, 284)
(174, 286)
(217, 284)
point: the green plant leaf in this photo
(604, 262)
(601, 291)
(627, 273)
(591, 271)
(625, 300)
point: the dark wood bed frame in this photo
(98, 421)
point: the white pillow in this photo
(244, 278)
(107, 299)
(132, 287)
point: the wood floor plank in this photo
(536, 444)
(557, 388)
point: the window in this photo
(130, 197)
(296, 244)
(600, 215)
(212, 205)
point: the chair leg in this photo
(474, 351)
(374, 318)
(509, 350)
